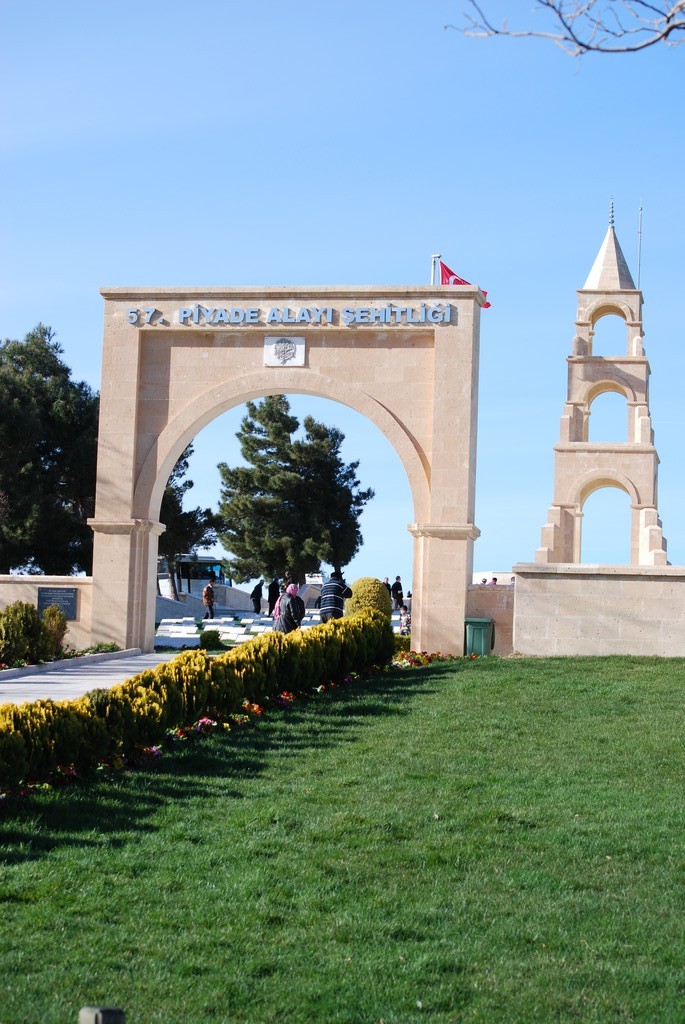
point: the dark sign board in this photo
(64, 597)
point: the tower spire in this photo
(610, 270)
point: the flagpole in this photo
(434, 257)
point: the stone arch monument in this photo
(175, 359)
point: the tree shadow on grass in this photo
(107, 809)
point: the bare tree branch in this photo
(590, 26)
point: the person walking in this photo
(208, 600)
(333, 594)
(256, 597)
(397, 594)
(272, 594)
(290, 610)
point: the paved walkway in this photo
(66, 680)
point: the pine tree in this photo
(335, 516)
(186, 530)
(296, 504)
(48, 448)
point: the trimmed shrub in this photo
(52, 733)
(402, 644)
(14, 759)
(23, 637)
(55, 626)
(368, 592)
(116, 713)
(226, 691)
(210, 640)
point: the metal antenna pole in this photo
(639, 244)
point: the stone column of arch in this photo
(176, 359)
(582, 466)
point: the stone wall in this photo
(552, 610)
(25, 588)
(230, 598)
(496, 603)
(568, 609)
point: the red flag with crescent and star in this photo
(448, 276)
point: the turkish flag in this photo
(448, 276)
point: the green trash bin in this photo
(480, 636)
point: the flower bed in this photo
(415, 659)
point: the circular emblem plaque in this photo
(285, 349)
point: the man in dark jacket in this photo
(333, 594)
(397, 594)
(272, 594)
(256, 597)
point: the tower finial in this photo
(611, 212)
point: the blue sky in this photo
(226, 143)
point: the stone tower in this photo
(580, 466)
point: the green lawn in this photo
(502, 841)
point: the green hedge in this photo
(25, 636)
(35, 738)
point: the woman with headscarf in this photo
(290, 611)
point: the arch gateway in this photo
(175, 359)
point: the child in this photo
(405, 621)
